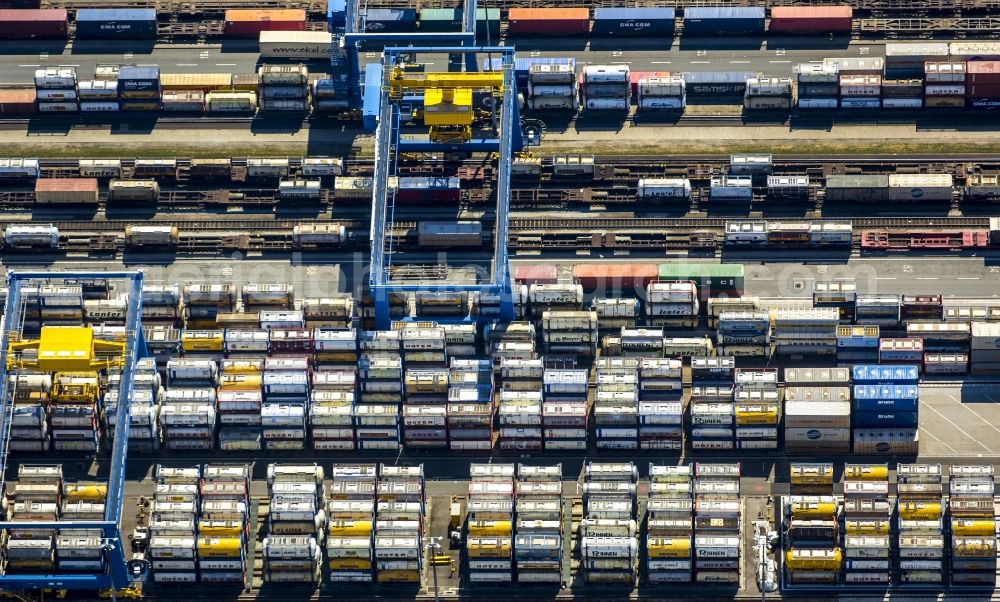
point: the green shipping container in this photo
(488, 19)
(711, 278)
(445, 20)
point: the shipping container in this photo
(17, 101)
(811, 19)
(712, 21)
(66, 191)
(17, 24)
(389, 20)
(303, 45)
(248, 23)
(117, 23)
(633, 21)
(548, 21)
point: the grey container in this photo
(712, 20)
(120, 23)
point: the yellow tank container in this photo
(220, 528)
(919, 510)
(206, 82)
(967, 527)
(811, 508)
(75, 387)
(813, 560)
(490, 527)
(488, 547)
(344, 528)
(866, 472)
(668, 547)
(398, 576)
(86, 492)
(858, 526)
(201, 341)
(811, 474)
(973, 547)
(242, 367)
(349, 564)
(240, 382)
(756, 414)
(219, 547)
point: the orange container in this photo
(548, 21)
(248, 23)
(811, 19)
(614, 276)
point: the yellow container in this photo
(242, 366)
(206, 82)
(967, 527)
(86, 492)
(201, 340)
(756, 414)
(973, 547)
(219, 547)
(668, 547)
(220, 528)
(398, 576)
(866, 472)
(919, 510)
(344, 528)
(488, 547)
(813, 509)
(813, 560)
(859, 526)
(811, 474)
(349, 564)
(490, 527)
(240, 382)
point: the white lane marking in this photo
(187, 64)
(659, 62)
(29, 65)
(932, 436)
(700, 62)
(977, 415)
(886, 278)
(739, 62)
(927, 278)
(779, 61)
(958, 428)
(225, 64)
(967, 278)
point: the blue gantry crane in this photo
(117, 573)
(389, 143)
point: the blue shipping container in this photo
(633, 21)
(713, 20)
(886, 405)
(372, 97)
(390, 20)
(874, 374)
(884, 419)
(125, 23)
(336, 14)
(886, 392)
(138, 78)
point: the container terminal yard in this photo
(327, 299)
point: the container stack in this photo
(564, 409)
(296, 524)
(902, 94)
(641, 342)
(29, 426)
(187, 414)
(425, 412)
(399, 542)
(817, 86)
(239, 403)
(616, 403)
(973, 526)
(560, 297)
(717, 523)
(661, 404)
(331, 408)
(985, 355)
(669, 525)
(768, 93)
(744, 333)
(841, 294)
(350, 509)
(606, 88)
(98, 96)
(886, 400)
(204, 302)
(520, 412)
(470, 405)
(610, 554)
(144, 412)
(380, 392)
(812, 556)
(139, 88)
(920, 526)
(284, 88)
(757, 408)
(538, 543)
(615, 313)
(490, 541)
(712, 406)
(672, 304)
(570, 332)
(801, 332)
(223, 525)
(56, 90)
(662, 93)
(858, 343)
(878, 310)
(867, 514)
(173, 525)
(74, 421)
(945, 84)
(161, 305)
(817, 411)
(860, 91)
(982, 84)
(552, 88)
(35, 496)
(81, 550)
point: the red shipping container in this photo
(635, 76)
(614, 276)
(22, 23)
(811, 19)
(548, 21)
(248, 23)
(536, 274)
(983, 90)
(982, 72)
(17, 101)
